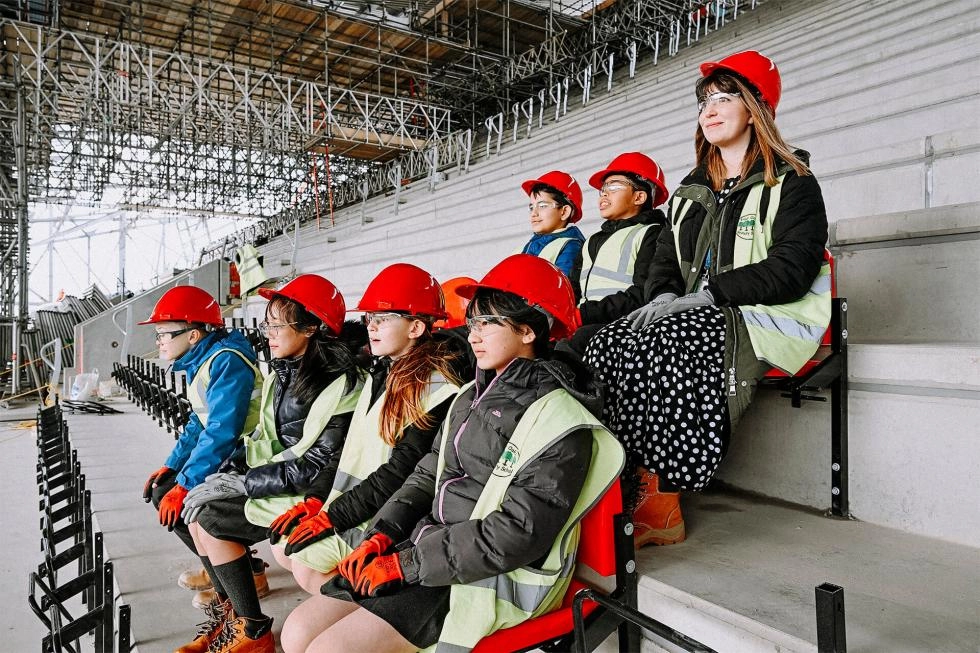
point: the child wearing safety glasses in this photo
(496, 504)
(555, 205)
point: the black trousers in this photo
(166, 482)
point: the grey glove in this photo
(647, 314)
(215, 486)
(687, 302)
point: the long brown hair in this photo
(766, 141)
(407, 385)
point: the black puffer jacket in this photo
(321, 459)
(446, 545)
(615, 306)
(362, 502)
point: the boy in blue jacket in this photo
(556, 204)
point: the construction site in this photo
(187, 140)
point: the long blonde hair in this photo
(766, 141)
(408, 380)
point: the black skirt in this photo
(415, 611)
(225, 520)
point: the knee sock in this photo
(218, 588)
(236, 579)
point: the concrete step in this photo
(744, 581)
(913, 411)
(911, 276)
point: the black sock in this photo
(222, 594)
(236, 579)
(255, 628)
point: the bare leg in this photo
(310, 579)
(219, 551)
(195, 531)
(280, 555)
(361, 632)
(312, 617)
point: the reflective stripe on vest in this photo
(263, 446)
(552, 250)
(612, 269)
(198, 391)
(480, 608)
(785, 335)
(364, 452)
(250, 271)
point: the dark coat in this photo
(446, 546)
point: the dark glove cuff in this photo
(410, 568)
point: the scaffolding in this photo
(269, 117)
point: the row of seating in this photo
(155, 390)
(74, 573)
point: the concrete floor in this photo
(744, 556)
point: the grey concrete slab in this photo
(760, 559)
(20, 630)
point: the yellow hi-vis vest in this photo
(785, 335)
(198, 390)
(364, 452)
(612, 269)
(250, 272)
(552, 250)
(263, 447)
(485, 606)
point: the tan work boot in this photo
(204, 597)
(234, 637)
(195, 580)
(657, 518)
(218, 613)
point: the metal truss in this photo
(183, 131)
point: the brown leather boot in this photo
(234, 637)
(218, 612)
(657, 518)
(195, 580)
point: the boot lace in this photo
(225, 638)
(215, 613)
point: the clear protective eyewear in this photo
(718, 97)
(273, 330)
(478, 323)
(615, 187)
(542, 205)
(159, 336)
(380, 319)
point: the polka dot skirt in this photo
(665, 394)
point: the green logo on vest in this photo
(508, 460)
(746, 225)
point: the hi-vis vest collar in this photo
(786, 335)
(263, 447)
(364, 452)
(612, 270)
(480, 608)
(198, 390)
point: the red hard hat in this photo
(455, 305)
(640, 165)
(758, 69)
(317, 295)
(539, 283)
(404, 287)
(565, 184)
(186, 304)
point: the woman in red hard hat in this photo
(555, 206)
(306, 409)
(413, 378)
(495, 503)
(738, 285)
(615, 262)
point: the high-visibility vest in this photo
(612, 269)
(785, 335)
(364, 452)
(197, 392)
(485, 606)
(250, 271)
(263, 447)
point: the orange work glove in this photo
(296, 515)
(171, 505)
(312, 530)
(383, 575)
(152, 482)
(351, 566)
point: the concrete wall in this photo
(885, 97)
